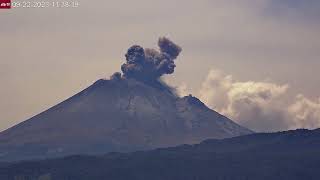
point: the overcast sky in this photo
(49, 54)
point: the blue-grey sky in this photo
(49, 54)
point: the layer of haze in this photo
(49, 54)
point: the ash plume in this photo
(115, 76)
(150, 64)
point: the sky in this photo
(253, 61)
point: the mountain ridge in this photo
(283, 155)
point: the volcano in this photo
(131, 111)
(118, 115)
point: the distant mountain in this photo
(292, 155)
(120, 115)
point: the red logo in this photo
(5, 4)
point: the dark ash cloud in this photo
(150, 64)
(115, 76)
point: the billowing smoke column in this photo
(150, 64)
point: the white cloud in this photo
(260, 106)
(182, 90)
(214, 88)
(306, 113)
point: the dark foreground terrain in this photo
(285, 155)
